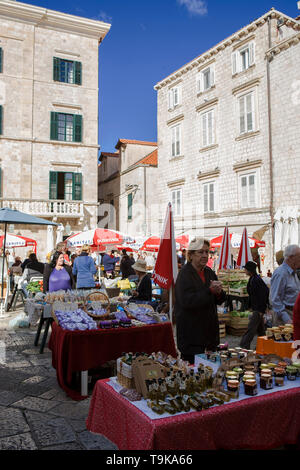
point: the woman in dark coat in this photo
(197, 292)
(126, 265)
(57, 275)
(144, 287)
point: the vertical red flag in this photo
(166, 268)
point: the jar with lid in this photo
(291, 372)
(266, 381)
(250, 387)
(233, 387)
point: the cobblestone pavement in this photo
(35, 413)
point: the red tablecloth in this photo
(263, 422)
(83, 350)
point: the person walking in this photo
(197, 293)
(285, 286)
(258, 293)
(84, 269)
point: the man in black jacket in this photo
(197, 293)
(258, 302)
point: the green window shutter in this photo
(77, 128)
(1, 60)
(77, 187)
(54, 126)
(53, 185)
(129, 202)
(78, 73)
(1, 112)
(56, 62)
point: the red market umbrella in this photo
(125, 247)
(235, 239)
(97, 237)
(244, 252)
(14, 241)
(225, 254)
(183, 241)
(151, 244)
(166, 267)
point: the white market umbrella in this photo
(244, 252)
(225, 253)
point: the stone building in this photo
(49, 116)
(127, 187)
(228, 140)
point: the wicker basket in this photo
(239, 323)
(130, 314)
(124, 374)
(100, 297)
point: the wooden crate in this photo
(224, 317)
(222, 330)
(240, 292)
(236, 331)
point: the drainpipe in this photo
(270, 143)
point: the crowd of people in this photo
(197, 289)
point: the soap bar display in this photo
(75, 320)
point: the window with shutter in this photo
(53, 178)
(234, 64)
(67, 71)
(249, 189)
(243, 58)
(77, 187)
(176, 140)
(246, 113)
(208, 134)
(174, 97)
(176, 198)
(66, 127)
(209, 197)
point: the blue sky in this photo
(148, 40)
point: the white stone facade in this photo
(30, 37)
(221, 147)
(130, 177)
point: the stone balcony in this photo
(45, 208)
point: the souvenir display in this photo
(74, 320)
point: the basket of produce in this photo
(239, 320)
(34, 287)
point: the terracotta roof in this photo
(150, 159)
(137, 142)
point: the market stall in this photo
(74, 351)
(260, 412)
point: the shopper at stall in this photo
(126, 265)
(109, 262)
(57, 274)
(27, 260)
(197, 292)
(258, 301)
(84, 269)
(144, 286)
(285, 286)
(35, 268)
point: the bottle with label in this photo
(155, 407)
